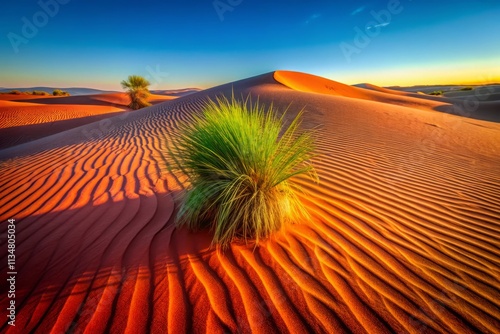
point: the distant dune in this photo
(176, 92)
(430, 88)
(404, 234)
(71, 90)
(91, 91)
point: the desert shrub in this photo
(16, 92)
(240, 170)
(137, 89)
(467, 88)
(39, 92)
(58, 92)
(436, 92)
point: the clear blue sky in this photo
(90, 43)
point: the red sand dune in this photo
(314, 84)
(404, 234)
(24, 118)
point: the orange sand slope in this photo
(483, 104)
(25, 118)
(404, 234)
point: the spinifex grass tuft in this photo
(239, 160)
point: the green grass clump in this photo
(58, 92)
(240, 159)
(436, 92)
(40, 92)
(16, 92)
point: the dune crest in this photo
(404, 234)
(481, 105)
(314, 84)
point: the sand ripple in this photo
(404, 234)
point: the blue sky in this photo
(89, 43)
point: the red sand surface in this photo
(404, 234)
(24, 118)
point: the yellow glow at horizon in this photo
(463, 73)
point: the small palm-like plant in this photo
(239, 160)
(137, 89)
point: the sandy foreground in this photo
(404, 234)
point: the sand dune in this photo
(106, 99)
(404, 234)
(314, 84)
(24, 118)
(176, 92)
(22, 97)
(474, 105)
